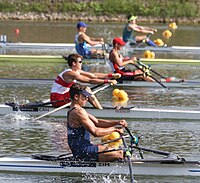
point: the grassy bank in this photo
(145, 8)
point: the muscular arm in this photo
(114, 57)
(90, 41)
(85, 120)
(141, 29)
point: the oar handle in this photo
(152, 77)
(144, 65)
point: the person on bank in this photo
(60, 90)
(131, 27)
(81, 125)
(117, 62)
(81, 41)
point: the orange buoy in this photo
(167, 34)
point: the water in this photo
(21, 136)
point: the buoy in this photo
(148, 54)
(173, 25)
(115, 92)
(114, 135)
(115, 144)
(17, 32)
(167, 34)
(153, 54)
(159, 42)
(122, 95)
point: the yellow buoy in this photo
(115, 144)
(167, 34)
(147, 54)
(104, 138)
(159, 42)
(115, 92)
(113, 135)
(153, 54)
(122, 95)
(173, 25)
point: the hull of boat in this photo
(165, 49)
(43, 45)
(58, 58)
(181, 84)
(109, 112)
(158, 168)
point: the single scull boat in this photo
(173, 84)
(158, 167)
(39, 108)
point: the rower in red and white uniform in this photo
(60, 90)
(118, 62)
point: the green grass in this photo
(154, 8)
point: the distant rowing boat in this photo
(156, 167)
(173, 84)
(58, 58)
(42, 45)
(164, 49)
(38, 109)
(72, 45)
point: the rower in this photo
(117, 62)
(81, 41)
(60, 90)
(81, 125)
(132, 26)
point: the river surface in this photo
(22, 137)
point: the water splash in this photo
(110, 178)
(17, 116)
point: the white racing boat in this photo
(42, 45)
(157, 167)
(72, 45)
(40, 108)
(59, 58)
(164, 49)
(173, 84)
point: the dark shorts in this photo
(88, 153)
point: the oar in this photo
(128, 155)
(68, 104)
(133, 138)
(152, 150)
(152, 77)
(144, 65)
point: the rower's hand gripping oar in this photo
(147, 67)
(68, 104)
(151, 76)
(128, 156)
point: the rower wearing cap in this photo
(82, 39)
(132, 26)
(60, 90)
(117, 62)
(80, 125)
